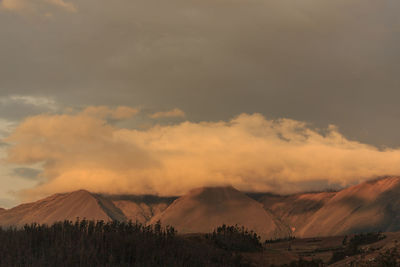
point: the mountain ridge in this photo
(368, 206)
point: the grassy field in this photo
(380, 253)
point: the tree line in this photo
(99, 243)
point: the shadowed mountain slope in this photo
(295, 210)
(140, 208)
(203, 209)
(141, 212)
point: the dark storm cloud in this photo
(326, 62)
(27, 173)
(15, 107)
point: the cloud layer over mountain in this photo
(87, 150)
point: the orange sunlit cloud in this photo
(249, 152)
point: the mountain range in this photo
(369, 206)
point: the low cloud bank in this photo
(249, 152)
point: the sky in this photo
(150, 96)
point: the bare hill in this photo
(203, 209)
(370, 206)
(61, 207)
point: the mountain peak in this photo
(81, 191)
(214, 189)
(204, 209)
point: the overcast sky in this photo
(322, 62)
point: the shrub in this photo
(389, 258)
(351, 247)
(235, 238)
(303, 263)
